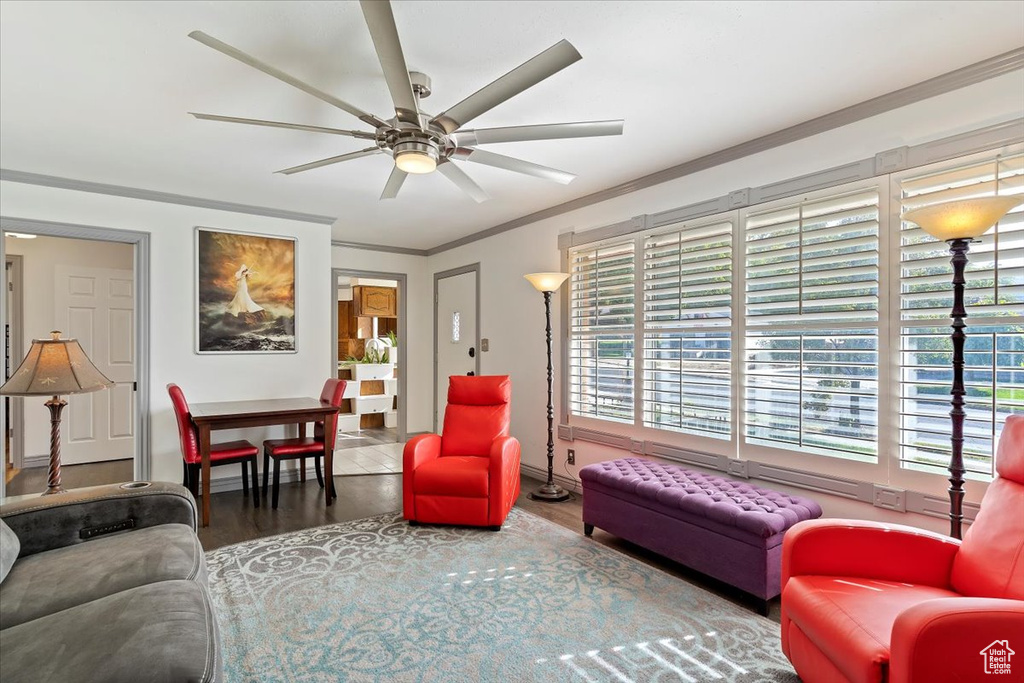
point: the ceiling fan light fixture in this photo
(416, 157)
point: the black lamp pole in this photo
(958, 248)
(550, 492)
(957, 223)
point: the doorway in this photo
(369, 312)
(456, 330)
(14, 446)
(91, 284)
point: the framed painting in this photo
(245, 292)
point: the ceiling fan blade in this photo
(235, 53)
(455, 174)
(547, 131)
(381, 22)
(394, 183)
(526, 75)
(479, 156)
(291, 126)
(331, 160)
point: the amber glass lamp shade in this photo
(547, 282)
(964, 219)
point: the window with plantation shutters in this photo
(994, 354)
(601, 339)
(687, 374)
(811, 298)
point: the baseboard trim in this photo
(891, 498)
(565, 482)
(35, 461)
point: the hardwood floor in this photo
(233, 519)
(33, 479)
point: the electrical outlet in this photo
(570, 457)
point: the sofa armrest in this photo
(502, 478)
(65, 519)
(871, 550)
(418, 450)
(943, 639)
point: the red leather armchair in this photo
(868, 602)
(470, 473)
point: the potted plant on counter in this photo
(375, 363)
(392, 341)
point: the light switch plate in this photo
(485, 345)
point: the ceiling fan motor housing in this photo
(418, 144)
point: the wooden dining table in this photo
(217, 415)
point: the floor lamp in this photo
(958, 223)
(55, 367)
(548, 284)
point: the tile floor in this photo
(376, 459)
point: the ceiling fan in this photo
(418, 142)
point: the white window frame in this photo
(805, 460)
(597, 422)
(886, 471)
(926, 482)
(695, 442)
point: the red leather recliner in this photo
(866, 602)
(470, 473)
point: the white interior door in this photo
(96, 306)
(456, 329)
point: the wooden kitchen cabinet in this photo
(379, 302)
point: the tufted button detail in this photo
(755, 510)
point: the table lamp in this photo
(55, 367)
(957, 223)
(548, 283)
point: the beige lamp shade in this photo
(963, 219)
(547, 282)
(55, 367)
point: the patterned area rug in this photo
(378, 600)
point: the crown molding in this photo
(947, 82)
(379, 247)
(156, 196)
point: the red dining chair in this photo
(324, 435)
(227, 453)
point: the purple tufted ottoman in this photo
(726, 529)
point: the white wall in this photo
(512, 312)
(418, 339)
(40, 259)
(172, 308)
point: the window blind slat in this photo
(812, 269)
(687, 373)
(601, 317)
(994, 351)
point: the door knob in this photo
(472, 352)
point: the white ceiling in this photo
(99, 91)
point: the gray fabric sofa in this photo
(105, 584)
